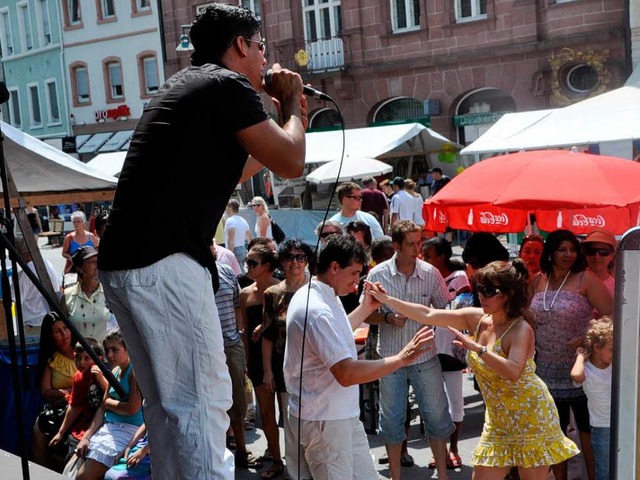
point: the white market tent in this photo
(382, 142)
(351, 168)
(45, 175)
(109, 163)
(611, 117)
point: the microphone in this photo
(308, 91)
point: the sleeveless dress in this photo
(254, 354)
(521, 424)
(567, 318)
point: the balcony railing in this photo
(326, 54)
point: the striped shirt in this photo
(425, 286)
(227, 299)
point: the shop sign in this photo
(122, 112)
(69, 144)
(476, 118)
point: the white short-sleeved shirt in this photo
(403, 204)
(374, 225)
(34, 306)
(597, 388)
(329, 339)
(418, 202)
(425, 286)
(241, 228)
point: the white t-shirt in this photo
(374, 225)
(403, 204)
(241, 228)
(329, 339)
(34, 306)
(417, 212)
(597, 388)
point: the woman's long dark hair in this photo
(47, 345)
(551, 246)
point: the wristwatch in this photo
(483, 349)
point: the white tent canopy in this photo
(43, 173)
(375, 142)
(611, 117)
(109, 163)
(352, 168)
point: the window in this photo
(106, 10)
(113, 79)
(26, 34)
(141, 7)
(72, 13)
(6, 116)
(44, 21)
(253, 5)
(322, 19)
(14, 108)
(80, 84)
(52, 101)
(6, 38)
(470, 9)
(150, 70)
(399, 109)
(405, 15)
(34, 105)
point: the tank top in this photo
(75, 245)
(109, 416)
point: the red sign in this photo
(113, 113)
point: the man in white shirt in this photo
(326, 401)
(402, 203)
(236, 232)
(34, 306)
(350, 199)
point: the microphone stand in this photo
(7, 242)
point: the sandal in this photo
(432, 463)
(453, 460)
(406, 460)
(276, 470)
(249, 424)
(231, 442)
(247, 460)
(267, 455)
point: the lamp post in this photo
(184, 45)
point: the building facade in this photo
(31, 48)
(114, 65)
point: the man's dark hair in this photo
(483, 248)
(344, 250)
(436, 170)
(215, 29)
(347, 188)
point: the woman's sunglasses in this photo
(298, 257)
(592, 252)
(487, 291)
(251, 263)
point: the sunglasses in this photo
(328, 234)
(251, 263)
(487, 291)
(298, 257)
(592, 252)
(354, 197)
(262, 44)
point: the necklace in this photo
(546, 287)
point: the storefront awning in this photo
(104, 142)
(95, 142)
(116, 142)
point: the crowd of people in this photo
(202, 321)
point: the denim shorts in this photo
(427, 382)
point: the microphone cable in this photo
(317, 247)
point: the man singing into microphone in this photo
(204, 131)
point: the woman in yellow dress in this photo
(521, 426)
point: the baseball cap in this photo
(83, 253)
(601, 235)
(398, 182)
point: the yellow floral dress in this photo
(521, 425)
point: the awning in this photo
(109, 163)
(95, 142)
(376, 142)
(116, 142)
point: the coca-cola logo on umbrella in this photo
(581, 220)
(488, 218)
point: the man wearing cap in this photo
(600, 249)
(373, 200)
(350, 200)
(402, 203)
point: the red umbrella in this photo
(564, 189)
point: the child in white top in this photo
(592, 370)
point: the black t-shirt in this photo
(182, 165)
(438, 184)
